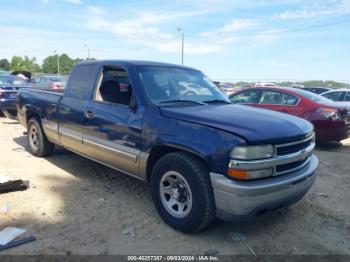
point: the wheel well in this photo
(161, 151)
(30, 114)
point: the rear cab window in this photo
(79, 82)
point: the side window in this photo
(335, 96)
(290, 100)
(79, 81)
(347, 96)
(271, 98)
(249, 96)
(113, 87)
(278, 98)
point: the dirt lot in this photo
(76, 206)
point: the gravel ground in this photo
(76, 206)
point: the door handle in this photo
(89, 114)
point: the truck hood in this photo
(257, 126)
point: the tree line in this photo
(48, 66)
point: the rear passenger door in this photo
(112, 123)
(72, 106)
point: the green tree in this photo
(19, 63)
(5, 64)
(50, 64)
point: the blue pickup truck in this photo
(171, 127)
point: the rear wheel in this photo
(38, 143)
(182, 193)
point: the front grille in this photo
(290, 166)
(284, 150)
(290, 148)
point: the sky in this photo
(226, 39)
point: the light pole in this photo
(182, 44)
(58, 62)
(88, 50)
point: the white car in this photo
(338, 95)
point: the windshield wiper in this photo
(182, 101)
(217, 101)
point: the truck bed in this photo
(44, 101)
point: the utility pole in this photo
(88, 51)
(58, 62)
(182, 44)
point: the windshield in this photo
(168, 85)
(312, 96)
(11, 80)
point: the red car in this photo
(331, 120)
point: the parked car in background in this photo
(202, 156)
(50, 82)
(227, 88)
(338, 95)
(265, 84)
(9, 84)
(317, 90)
(331, 120)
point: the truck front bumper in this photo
(239, 200)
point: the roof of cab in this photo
(129, 63)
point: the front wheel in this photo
(182, 192)
(38, 143)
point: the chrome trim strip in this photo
(143, 165)
(110, 166)
(296, 142)
(272, 162)
(51, 126)
(70, 134)
(118, 151)
(51, 131)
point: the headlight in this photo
(329, 113)
(252, 152)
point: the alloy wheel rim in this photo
(175, 194)
(34, 138)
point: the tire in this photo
(38, 143)
(171, 177)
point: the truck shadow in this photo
(125, 201)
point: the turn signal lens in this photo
(248, 175)
(237, 174)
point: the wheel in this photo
(38, 143)
(182, 192)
